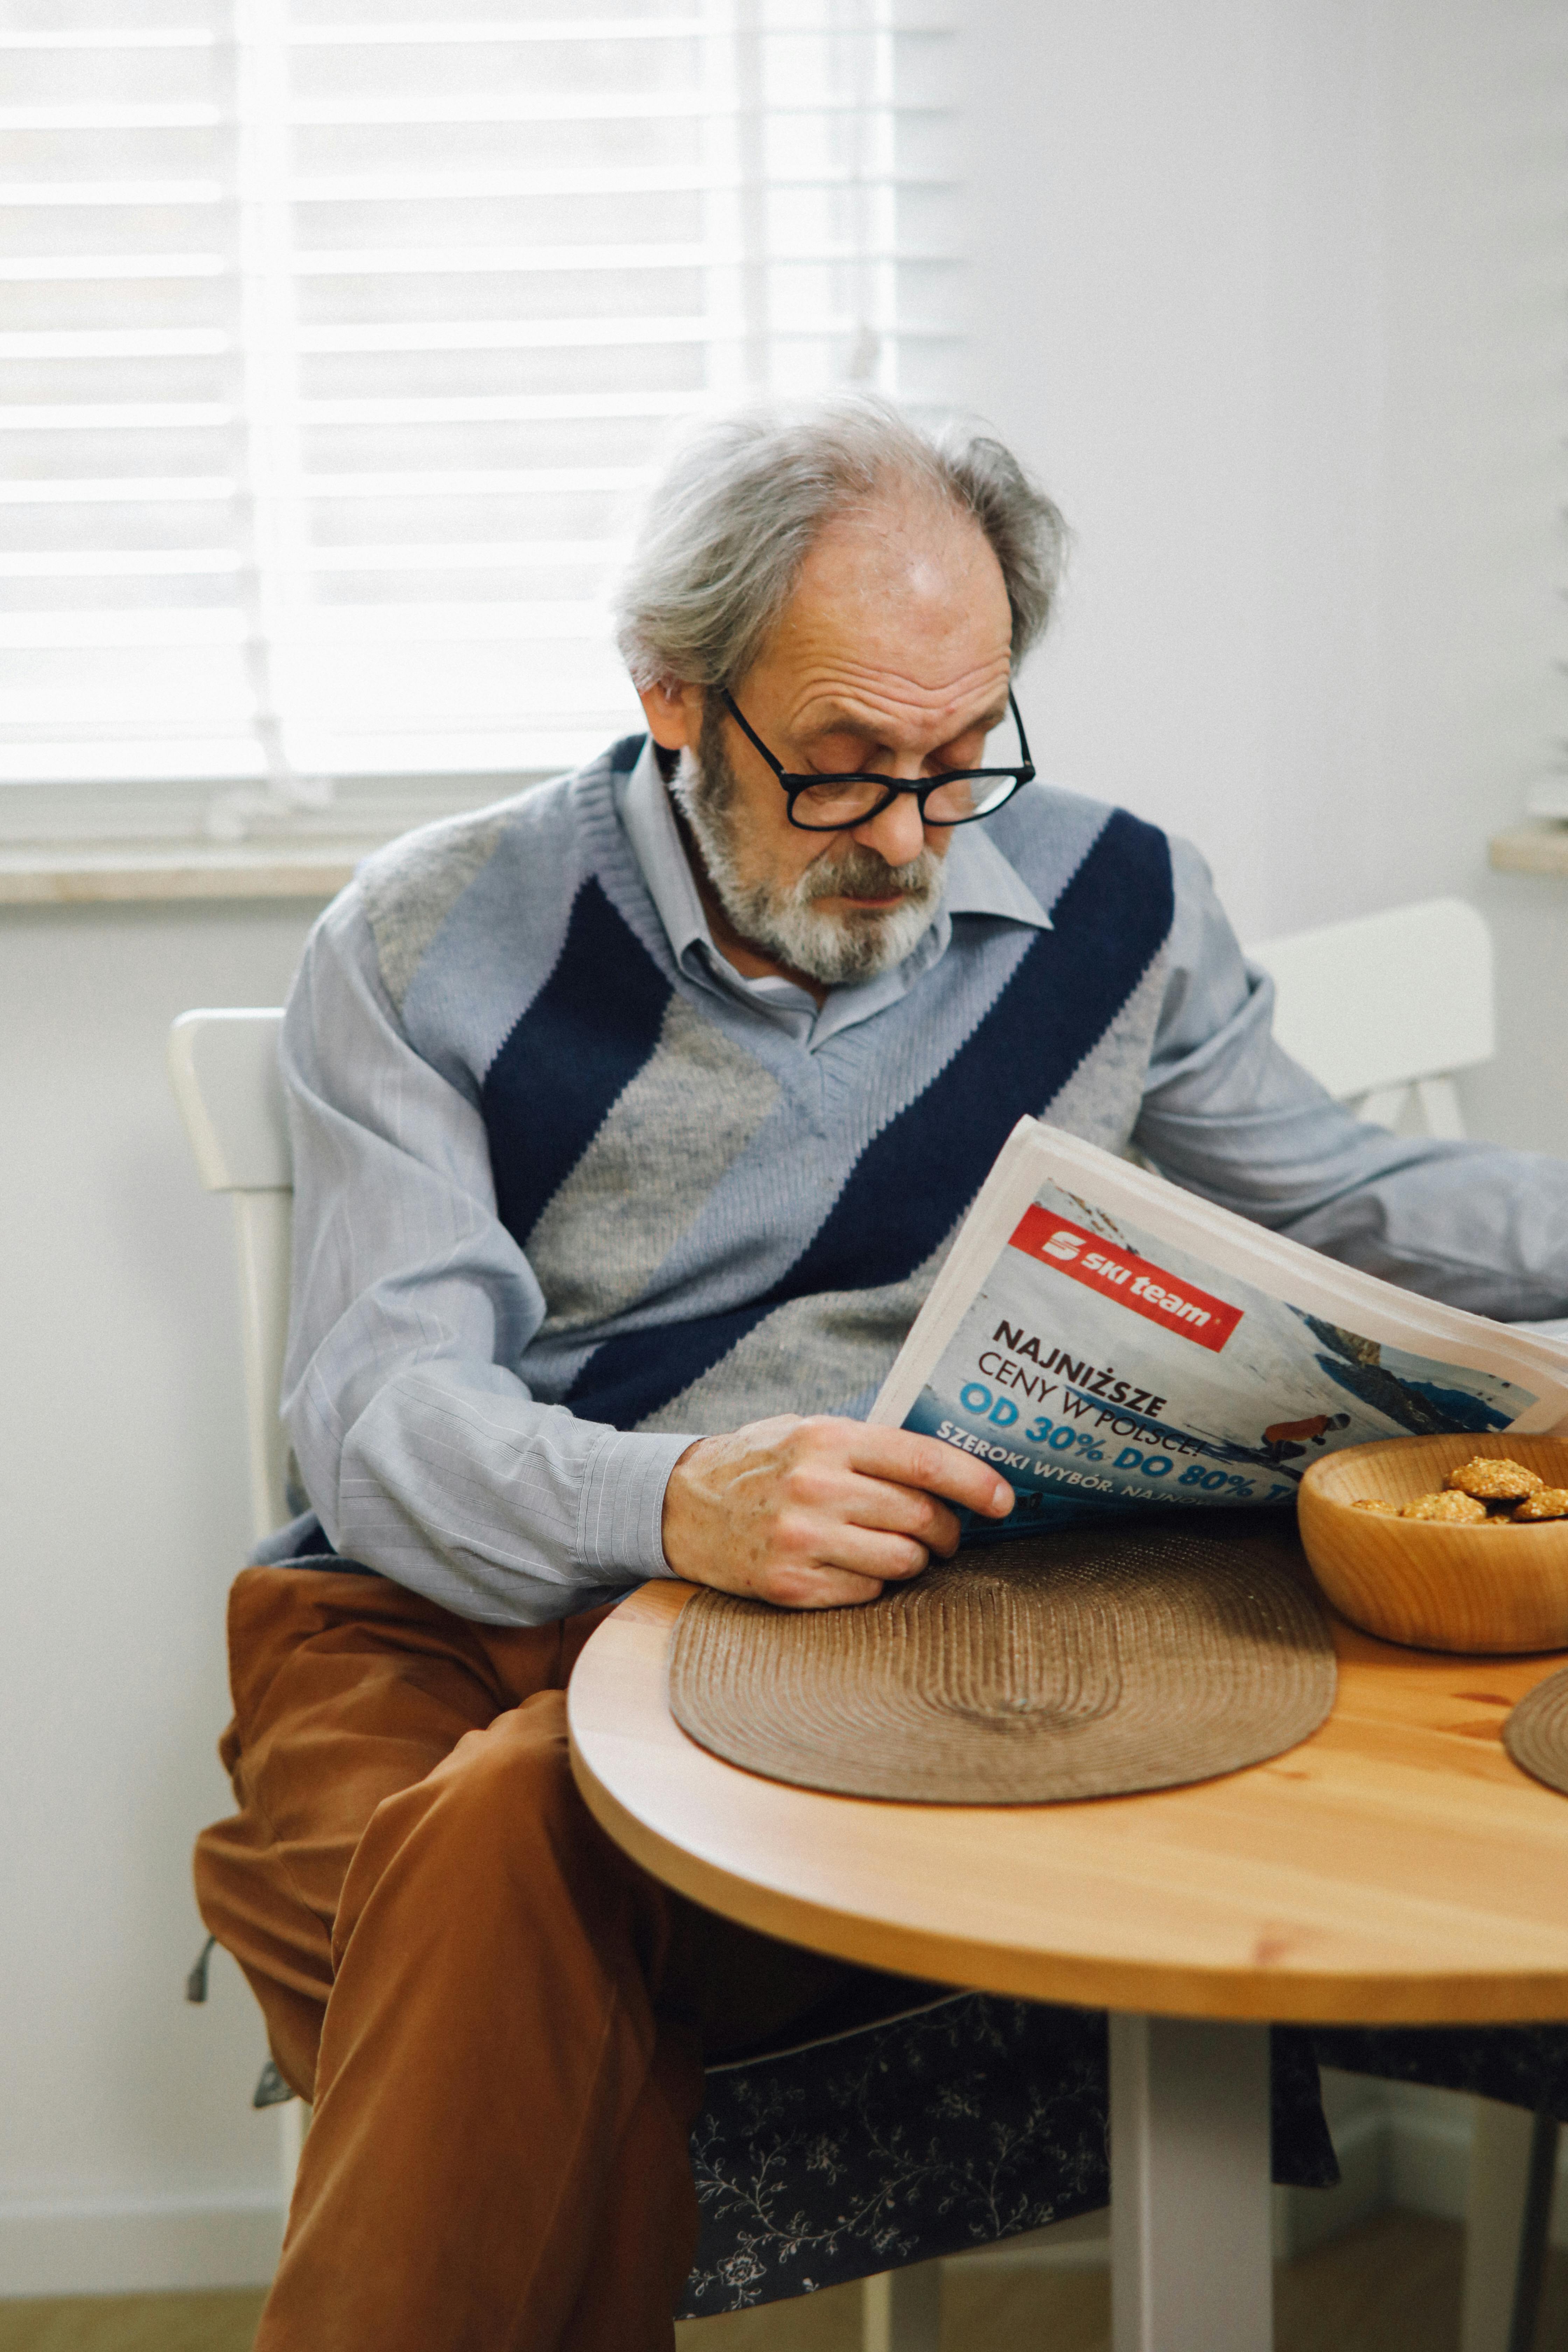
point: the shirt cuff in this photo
(620, 1520)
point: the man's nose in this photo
(896, 832)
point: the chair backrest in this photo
(223, 1066)
(1384, 1009)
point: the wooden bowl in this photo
(1436, 1586)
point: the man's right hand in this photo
(815, 1513)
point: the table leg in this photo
(902, 2310)
(1191, 2249)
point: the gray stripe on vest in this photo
(813, 1355)
(1101, 1100)
(646, 1177)
(411, 888)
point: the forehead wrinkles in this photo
(885, 698)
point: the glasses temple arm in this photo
(1023, 739)
(752, 737)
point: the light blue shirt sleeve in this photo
(424, 1454)
(1228, 1115)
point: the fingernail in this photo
(1002, 1498)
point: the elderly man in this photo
(631, 1120)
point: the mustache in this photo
(864, 872)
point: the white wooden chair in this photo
(224, 1068)
(1385, 1009)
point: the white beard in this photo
(781, 918)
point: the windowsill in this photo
(1538, 847)
(147, 871)
(64, 846)
(128, 873)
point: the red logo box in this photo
(1134, 1282)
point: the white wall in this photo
(129, 2153)
(1274, 298)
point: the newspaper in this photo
(1107, 1341)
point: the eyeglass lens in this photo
(847, 801)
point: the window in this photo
(337, 341)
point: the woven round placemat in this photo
(1085, 1663)
(1536, 1733)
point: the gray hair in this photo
(728, 526)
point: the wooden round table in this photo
(1396, 1869)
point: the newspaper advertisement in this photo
(1099, 1368)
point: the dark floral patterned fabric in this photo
(967, 2122)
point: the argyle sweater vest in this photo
(723, 1223)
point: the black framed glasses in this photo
(829, 804)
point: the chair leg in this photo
(1439, 1104)
(1531, 2268)
(902, 2310)
(293, 2123)
(1497, 2215)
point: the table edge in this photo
(1257, 1992)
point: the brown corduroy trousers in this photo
(502, 2019)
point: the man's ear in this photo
(674, 714)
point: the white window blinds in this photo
(337, 341)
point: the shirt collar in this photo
(656, 845)
(979, 881)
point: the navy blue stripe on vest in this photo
(586, 1034)
(916, 1177)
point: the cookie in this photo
(1374, 1503)
(1493, 1479)
(1460, 1509)
(1545, 1503)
